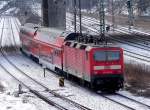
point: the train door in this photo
(80, 63)
(65, 59)
(83, 64)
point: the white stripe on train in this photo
(115, 67)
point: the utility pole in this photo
(130, 11)
(90, 5)
(45, 13)
(80, 17)
(102, 19)
(113, 15)
(75, 16)
(54, 13)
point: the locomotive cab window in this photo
(113, 55)
(106, 55)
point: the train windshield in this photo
(106, 55)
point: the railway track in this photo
(133, 100)
(138, 35)
(22, 83)
(47, 90)
(1, 37)
(125, 40)
(12, 32)
(141, 57)
(69, 104)
(17, 25)
(34, 91)
(66, 104)
(108, 97)
(121, 29)
(120, 99)
(105, 96)
(114, 95)
(129, 53)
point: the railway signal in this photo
(129, 4)
(130, 11)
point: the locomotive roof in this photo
(97, 45)
(54, 32)
(90, 46)
(50, 35)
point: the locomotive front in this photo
(107, 68)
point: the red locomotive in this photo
(99, 65)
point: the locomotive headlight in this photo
(98, 67)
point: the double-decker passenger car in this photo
(99, 65)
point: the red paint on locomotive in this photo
(100, 65)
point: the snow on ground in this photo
(11, 11)
(36, 7)
(93, 23)
(9, 30)
(131, 60)
(13, 103)
(71, 90)
(7, 39)
(141, 99)
(15, 26)
(26, 101)
(2, 4)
